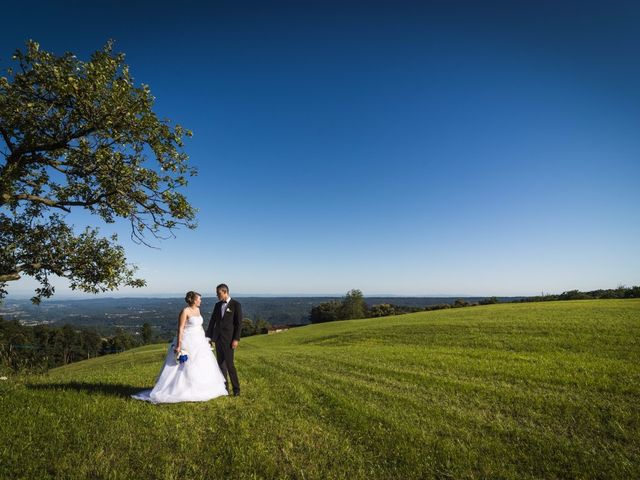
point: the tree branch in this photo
(60, 204)
(9, 277)
(7, 139)
(15, 275)
(20, 151)
(44, 201)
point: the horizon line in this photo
(258, 295)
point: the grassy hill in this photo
(548, 390)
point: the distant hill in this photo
(108, 313)
(525, 390)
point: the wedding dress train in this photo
(197, 380)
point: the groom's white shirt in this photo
(224, 307)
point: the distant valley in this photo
(107, 314)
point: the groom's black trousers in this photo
(224, 354)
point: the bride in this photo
(197, 379)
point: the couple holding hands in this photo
(190, 372)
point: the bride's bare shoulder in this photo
(190, 312)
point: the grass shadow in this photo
(114, 389)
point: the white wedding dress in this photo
(197, 380)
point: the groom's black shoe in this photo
(236, 393)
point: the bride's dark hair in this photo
(190, 297)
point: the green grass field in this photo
(546, 390)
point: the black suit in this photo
(223, 329)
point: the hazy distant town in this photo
(107, 314)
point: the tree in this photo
(255, 327)
(489, 301)
(248, 328)
(326, 312)
(91, 342)
(382, 310)
(353, 305)
(146, 333)
(262, 326)
(574, 295)
(77, 134)
(121, 340)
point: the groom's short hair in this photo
(222, 287)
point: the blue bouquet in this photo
(182, 356)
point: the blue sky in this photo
(407, 148)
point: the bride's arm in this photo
(182, 319)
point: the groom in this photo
(224, 329)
